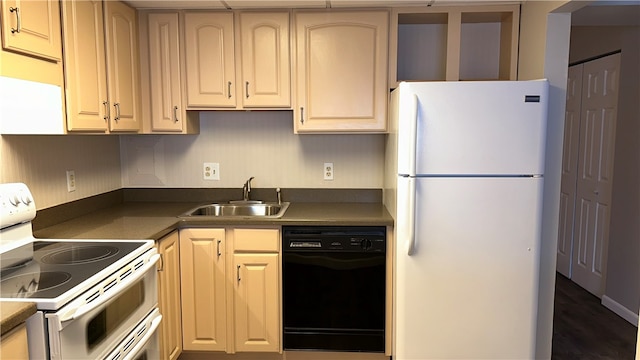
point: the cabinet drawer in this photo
(256, 240)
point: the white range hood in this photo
(30, 107)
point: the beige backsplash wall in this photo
(252, 143)
(41, 162)
(258, 143)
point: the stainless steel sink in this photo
(239, 209)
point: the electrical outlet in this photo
(211, 171)
(328, 171)
(71, 180)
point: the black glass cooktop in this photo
(57, 267)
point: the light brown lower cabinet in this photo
(256, 295)
(202, 260)
(13, 344)
(169, 297)
(231, 289)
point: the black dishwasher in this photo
(334, 288)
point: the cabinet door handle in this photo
(161, 263)
(117, 106)
(18, 20)
(238, 273)
(301, 115)
(229, 89)
(175, 113)
(218, 250)
(246, 88)
(107, 111)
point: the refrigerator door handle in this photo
(413, 137)
(411, 222)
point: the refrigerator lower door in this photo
(469, 290)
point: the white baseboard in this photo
(622, 311)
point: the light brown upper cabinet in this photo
(123, 66)
(210, 60)
(453, 43)
(31, 37)
(162, 89)
(266, 70)
(246, 65)
(85, 66)
(167, 112)
(102, 82)
(32, 27)
(341, 71)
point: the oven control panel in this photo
(16, 204)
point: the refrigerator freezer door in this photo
(474, 128)
(469, 291)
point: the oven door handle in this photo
(133, 354)
(83, 308)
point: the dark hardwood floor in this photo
(584, 329)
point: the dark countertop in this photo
(153, 220)
(14, 313)
(134, 220)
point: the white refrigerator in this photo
(464, 181)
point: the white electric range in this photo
(95, 299)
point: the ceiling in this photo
(598, 13)
(608, 13)
(252, 4)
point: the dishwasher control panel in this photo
(305, 244)
(334, 238)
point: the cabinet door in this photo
(341, 71)
(204, 323)
(169, 297)
(210, 60)
(257, 310)
(32, 27)
(85, 66)
(122, 66)
(14, 343)
(266, 80)
(164, 63)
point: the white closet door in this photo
(595, 172)
(569, 169)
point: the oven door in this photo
(142, 342)
(92, 326)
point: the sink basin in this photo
(236, 209)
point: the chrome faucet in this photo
(246, 189)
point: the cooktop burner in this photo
(58, 266)
(80, 255)
(25, 285)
